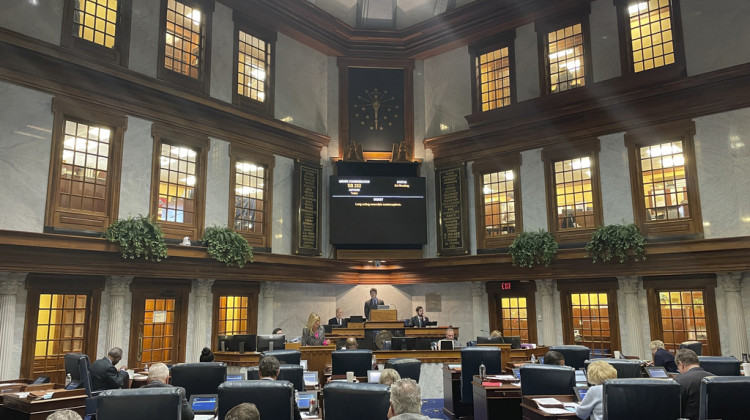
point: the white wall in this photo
(447, 92)
(135, 179)
(144, 37)
(716, 34)
(40, 19)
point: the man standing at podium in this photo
(419, 320)
(372, 303)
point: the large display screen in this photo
(377, 210)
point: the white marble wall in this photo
(533, 191)
(745, 297)
(217, 186)
(101, 342)
(527, 63)
(605, 40)
(18, 326)
(427, 170)
(144, 37)
(615, 180)
(222, 53)
(447, 92)
(135, 179)
(283, 217)
(26, 118)
(419, 110)
(36, 18)
(715, 34)
(471, 207)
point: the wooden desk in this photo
(337, 333)
(233, 358)
(530, 411)
(494, 402)
(524, 355)
(428, 332)
(377, 315)
(16, 408)
(452, 405)
(425, 356)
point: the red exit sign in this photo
(505, 285)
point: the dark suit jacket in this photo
(187, 411)
(690, 391)
(369, 306)
(415, 321)
(333, 321)
(104, 375)
(664, 358)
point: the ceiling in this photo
(408, 12)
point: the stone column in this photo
(265, 307)
(202, 329)
(546, 309)
(634, 345)
(118, 287)
(731, 283)
(10, 285)
(478, 297)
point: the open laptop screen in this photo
(580, 376)
(305, 399)
(656, 372)
(233, 377)
(581, 392)
(203, 404)
(311, 378)
(373, 376)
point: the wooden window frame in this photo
(202, 83)
(544, 27)
(525, 289)
(671, 71)
(38, 284)
(62, 218)
(505, 40)
(496, 164)
(121, 51)
(261, 242)
(686, 228)
(705, 283)
(251, 27)
(230, 288)
(163, 133)
(564, 151)
(608, 286)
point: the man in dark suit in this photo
(338, 319)
(689, 378)
(268, 370)
(104, 374)
(373, 302)
(419, 320)
(158, 377)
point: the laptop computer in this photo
(657, 372)
(204, 403)
(580, 392)
(373, 376)
(356, 319)
(517, 373)
(581, 377)
(445, 345)
(305, 400)
(311, 378)
(303, 363)
(234, 377)
(73, 385)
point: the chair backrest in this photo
(625, 368)
(575, 356)
(695, 346)
(274, 399)
(720, 365)
(547, 379)
(471, 358)
(140, 403)
(291, 357)
(642, 399)
(357, 361)
(361, 401)
(292, 373)
(723, 397)
(199, 378)
(71, 365)
(85, 375)
(406, 367)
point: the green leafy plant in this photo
(618, 242)
(227, 246)
(138, 237)
(533, 248)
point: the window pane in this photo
(249, 198)
(177, 192)
(493, 71)
(664, 181)
(60, 329)
(185, 39)
(232, 315)
(682, 318)
(83, 172)
(650, 34)
(95, 21)
(591, 323)
(565, 59)
(514, 317)
(499, 203)
(254, 66)
(573, 190)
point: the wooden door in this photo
(159, 323)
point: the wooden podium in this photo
(383, 315)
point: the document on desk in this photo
(554, 410)
(548, 402)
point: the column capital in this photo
(268, 288)
(730, 282)
(477, 289)
(12, 283)
(545, 287)
(628, 284)
(119, 285)
(202, 287)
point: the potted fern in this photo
(533, 248)
(616, 242)
(227, 246)
(138, 237)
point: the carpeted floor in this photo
(433, 408)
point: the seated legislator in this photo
(206, 356)
(313, 334)
(554, 358)
(158, 377)
(662, 357)
(495, 333)
(277, 331)
(419, 320)
(690, 382)
(104, 374)
(592, 404)
(244, 411)
(338, 319)
(388, 377)
(268, 370)
(406, 401)
(351, 344)
(372, 303)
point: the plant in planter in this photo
(616, 241)
(138, 237)
(533, 248)
(227, 246)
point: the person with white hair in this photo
(64, 415)
(406, 401)
(158, 377)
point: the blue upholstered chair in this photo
(642, 399)
(625, 368)
(361, 401)
(141, 403)
(471, 358)
(357, 361)
(199, 378)
(291, 373)
(575, 356)
(720, 365)
(274, 399)
(406, 368)
(291, 357)
(723, 397)
(547, 379)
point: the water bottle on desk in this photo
(68, 379)
(482, 371)
(533, 358)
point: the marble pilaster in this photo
(201, 331)
(546, 289)
(119, 287)
(731, 283)
(478, 297)
(634, 345)
(10, 285)
(266, 305)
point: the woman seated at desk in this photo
(313, 334)
(592, 405)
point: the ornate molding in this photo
(629, 284)
(546, 287)
(730, 282)
(12, 283)
(119, 285)
(202, 287)
(268, 289)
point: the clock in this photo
(376, 110)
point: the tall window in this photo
(184, 51)
(515, 317)
(650, 34)
(590, 315)
(498, 196)
(233, 315)
(235, 308)
(158, 331)
(98, 27)
(663, 177)
(513, 304)
(492, 82)
(86, 158)
(179, 182)
(565, 58)
(250, 205)
(254, 66)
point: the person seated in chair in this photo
(592, 405)
(554, 358)
(158, 377)
(338, 319)
(388, 377)
(268, 370)
(206, 355)
(689, 378)
(104, 374)
(662, 357)
(419, 320)
(351, 344)
(406, 401)
(244, 411)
